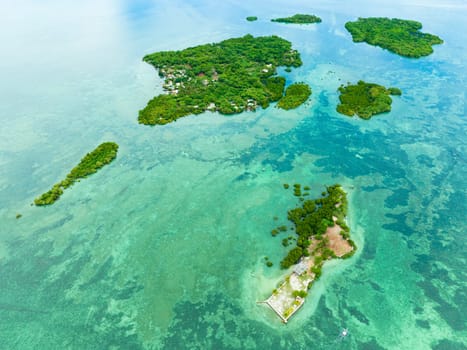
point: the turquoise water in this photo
(163, 249)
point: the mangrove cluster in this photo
(365, 99)
(229, 77)
(251, 18)
(298, 19)
(310, 222)
(400, 36)
(295, 95)
(89, 164)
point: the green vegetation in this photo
(286, 186)
(365, 99)
(91, 162)
(229, 77)
(299, 293)
(295, 95)
(292, 257)
(251, 18)
(400, 36)
(311, 221)
(18, 216)
(298, 19)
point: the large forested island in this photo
(298, 19)
(89, 164)
(230, 77)
(365, 99)
(321, 234)
(400, 36)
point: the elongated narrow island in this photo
(89, 164)
(230, 77)
(321, 234)
(400, 36)
(298, 19)
(365, 99)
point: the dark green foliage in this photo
(365, 99)
(315, 216)
(282, 228)
(274, 232)
(298, 19)
(295, 95)
(18, 216)
(297, 190)
(269, 263)
(299, 293)
(306, 188)
(394, 91)
(292, 257)
(317, 270)
(89, 164)
(285, 242)
(229, 77)
(275, 85)
(402, 37)
(251, 18)
(286, 186)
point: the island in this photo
(321, 234)
(229, 77)
(89, 164)
(251, 18)
(399, 36)
(365, 99)
(295, 95)
(298, 19)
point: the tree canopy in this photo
(89, 164)
(365, 99)
(298, 19)
(400, 36)
(295, 95)
(229, 77)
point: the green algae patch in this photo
(295, 95)
(229, 77)
(89, 164)
(251, 18)
(298, 19)
(365, 99)
(399, 36)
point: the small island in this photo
(399, 36)
(229, 77)
(91, 163)
(251, 18)
(295, 95)
(298, 19)
(365, 99)
(321, 234)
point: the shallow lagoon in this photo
(164, 248)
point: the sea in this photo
(165, 247)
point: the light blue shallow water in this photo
(163, 249)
